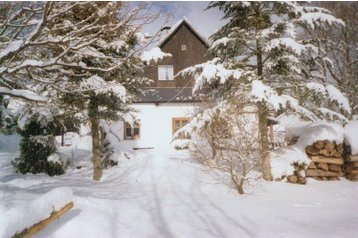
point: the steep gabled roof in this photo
(174, 29)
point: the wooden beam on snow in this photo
(28, 232)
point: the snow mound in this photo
(351, 136)
(282, 160)
(316, 131)
(19, 218)
(10, 143)
(181, 144)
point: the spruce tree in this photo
(261, 53)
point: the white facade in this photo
(155, 123)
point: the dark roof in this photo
(175, 29)
(164, 95)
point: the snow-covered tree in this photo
(79, 57)
(260, 47)
(339, 51)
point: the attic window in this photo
(183, 47)
(165, 72)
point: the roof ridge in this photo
(176, 26)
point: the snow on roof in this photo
(174, 29)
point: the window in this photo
(165, 72)
(183, 47)
(132, 132)
(178, 123)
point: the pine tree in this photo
(260, 47)
(339, 52)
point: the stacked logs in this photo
(298, 176)
(326, 160)
(351, 167)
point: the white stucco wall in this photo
(156, 123)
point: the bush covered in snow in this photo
(36, 146)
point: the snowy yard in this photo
(166, 194)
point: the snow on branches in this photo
(276, 52)
(264, 93)
(209, 72)
(100, 86)
(154, 54)
(332, 93)
(43, 44)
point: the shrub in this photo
(36, 146)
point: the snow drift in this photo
(351, 136)
(19, 218)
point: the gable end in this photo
(191, 29)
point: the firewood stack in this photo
(326, 160)
(298, 176)
(351, 167)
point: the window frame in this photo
(137, 125)
(166, 66)
(181, 125)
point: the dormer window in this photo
(165, 72)
(183, 47)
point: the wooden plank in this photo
(353, 158)
(42, 224)
(335, 168)
(143, 148)
(350, 169)
(329, 160)
(352, 177)
(321, 173)
(352, 164)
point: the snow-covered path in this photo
(165, 194)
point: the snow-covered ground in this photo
(165, 194)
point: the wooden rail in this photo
(28, 232)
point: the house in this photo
(167, 103)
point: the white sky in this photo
(206, 22)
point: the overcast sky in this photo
(206, 22)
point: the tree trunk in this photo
(62, 133)
(264, 145)
(240, 187)
(96, 150)
(62, 138)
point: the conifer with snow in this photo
(260, 48)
